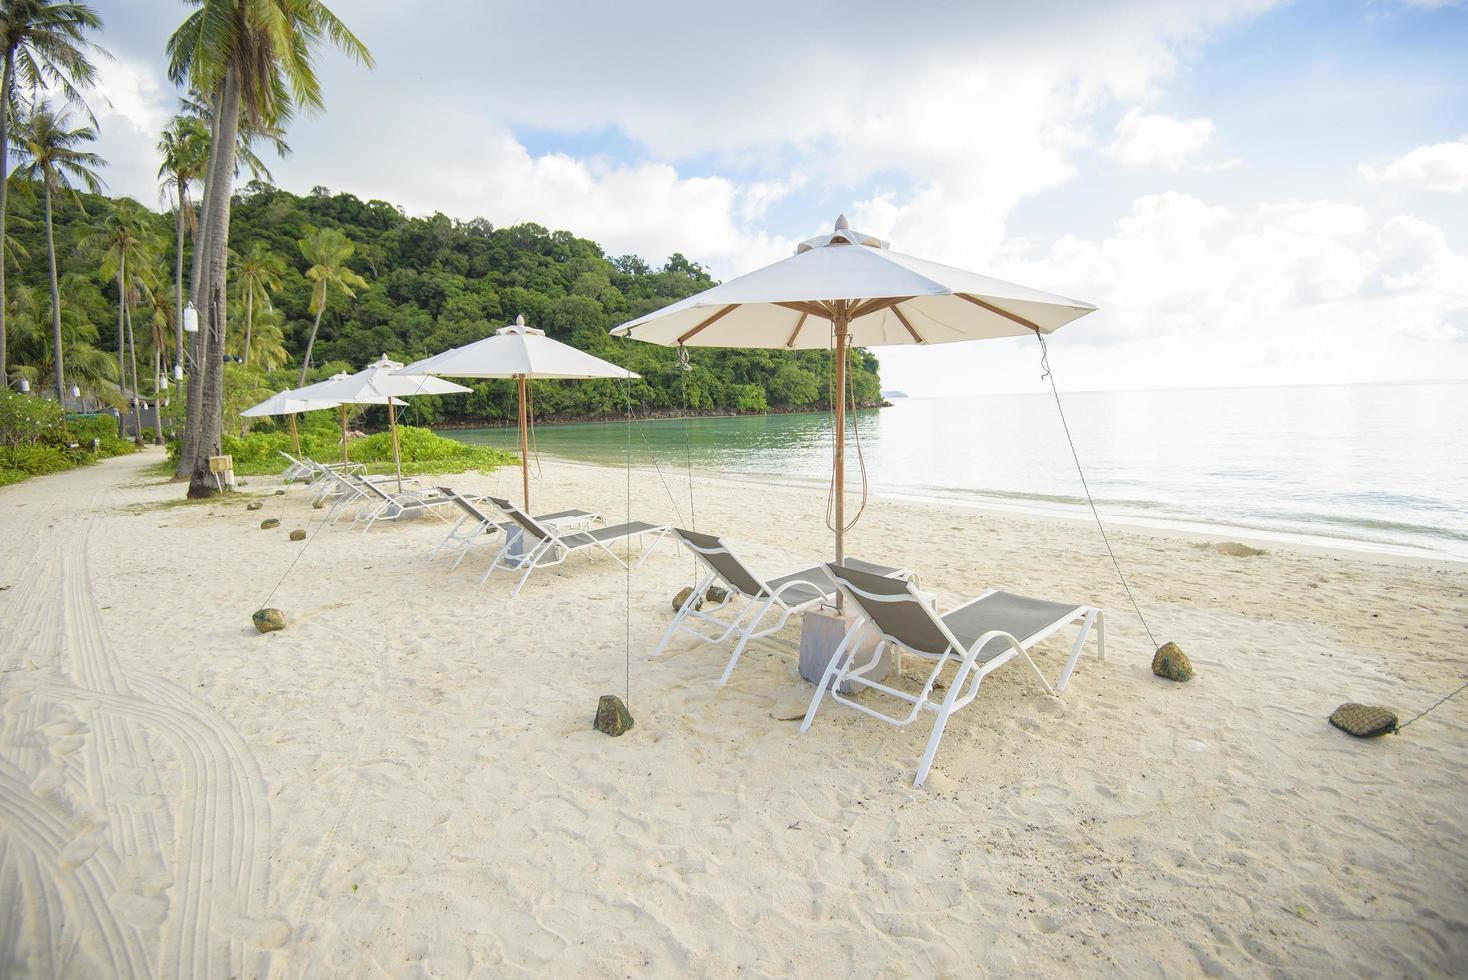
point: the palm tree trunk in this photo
(311, 342)
(249, 320)
(55, 304)
(132, 346)
(178, 304)
(5, 86)
(188, 443)
(216, 218)
(121, 344)
(157, 386)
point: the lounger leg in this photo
(941, 723)
(684, 611)
(531, 559)
(661, 534)
(444, 543)
(498, 555)
(1075, 651)
(744, 636)
(1101, 634)
(831, 671)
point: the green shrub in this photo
(26, 419)
(423, 451)
(35, 460)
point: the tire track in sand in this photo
(87, 883)
(219, 849)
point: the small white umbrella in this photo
(383, 382)
(522, 353)
(287, 403)
(847, 289)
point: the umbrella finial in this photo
(841, 223)
(520, 320)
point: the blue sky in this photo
(1253, 192)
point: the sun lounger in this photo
(380, 505)
(978, 637)
(309, 470)
(539, 545)
(476, 524)
(343, 489)
(791, 593)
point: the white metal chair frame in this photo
(301, 469)
(841, 668)
(551, 547)
(753, 611)
(481, 524)
(379, 505)
(343, 489)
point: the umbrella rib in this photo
(796, 332)
(807, 306)
(873, 305)
(1015, 317)
(707, 323)
(917, 337)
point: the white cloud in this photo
(131, 93)
(1192, 293)
(1439, 167)
(1150, 139)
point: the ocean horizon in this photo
(1376, 467)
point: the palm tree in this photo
(50, 149)
(252, 57)
(35, 347)
(127, 240)
(327, 250)
(46, 46)
(185, 149)
(259, 272)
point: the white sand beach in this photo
(405, 782)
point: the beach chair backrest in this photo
(527, 523)
(372, 488)
(894, 608)
(714, 553)
(465, 505)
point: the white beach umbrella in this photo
(287, 403)
(522, 353)
(383, 382)
(849, 289)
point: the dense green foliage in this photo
(259, 453)
(435, 283)
(34, 442)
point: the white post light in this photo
(178, 372)
(191, 319)
(25, 387)
(76, 392)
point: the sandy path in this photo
(167, 890)
(405, 781)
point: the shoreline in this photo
(1196, 532)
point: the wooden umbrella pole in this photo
(524, 453)
(342, 409)
(397, 458)
(841, 322)
(295, 436)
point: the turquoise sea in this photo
(1383, 467)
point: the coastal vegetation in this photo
(36, 440)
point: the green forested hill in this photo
(435, 283)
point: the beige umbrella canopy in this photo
(287, 403)
(522, 353)
(849, 289)
(380, 383)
